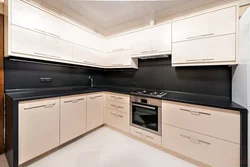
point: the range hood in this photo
(152, 55)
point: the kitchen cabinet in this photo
(120, 59)
(152, 138)
(31, 43)
(33, 18)
(215, 23)
(153, 41)
(87, 56)
(211, 151)
(219, 123)
(120, 43)
(73, 117)
(38, 124)
(215, 50)
(95, 110)
(117, 119)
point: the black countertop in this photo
(205, 100)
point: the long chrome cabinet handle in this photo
(47, 55)
(199, 60)
(116, 106)
(41, 106)
(90, 63)
(94, 97)
(117, 50)
(48, 33)
(74, 101)
(151, 51)
(197, 141)
(195, 112)
(148, 107)
(117, 115)
(199, 36)
(117, 98)
(117, 64)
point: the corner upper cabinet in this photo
(206, 39)
(152, 41)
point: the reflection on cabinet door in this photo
(73, 119)
(95, 110)
(208, 50)
(28, 42)
(38, 127)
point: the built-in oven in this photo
(146, 114)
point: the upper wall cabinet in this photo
(121, 59)
(206, 39)
(31, 43)
(216, 23)
(153, 41)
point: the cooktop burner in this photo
(150, 93)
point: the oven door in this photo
(146, 117)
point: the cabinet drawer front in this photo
(219, 123)
(145, 135)
(204, 51)
(215, 23)
(208, 150)
(118, 97)
(72, 117)
(123, 107)
(37, 118)
(118, 120)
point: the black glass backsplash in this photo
(152, 74)
(159, 74)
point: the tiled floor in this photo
(107, 148)
(3, 161)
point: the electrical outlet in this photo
(45, 80)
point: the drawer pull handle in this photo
(194, 112)
(48, 33)
(74, 101)
(117, 98)
(197, 141)
(199, 36)
(42, 106)
(94, 97)
(47, 55)
(117, 115)
(116, 106)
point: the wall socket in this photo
(45, 80)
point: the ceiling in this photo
(112, 17)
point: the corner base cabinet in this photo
(38, 127)
(95, 110)
(73, 113)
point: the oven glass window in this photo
(145, 116)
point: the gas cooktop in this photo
(152, 93)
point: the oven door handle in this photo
(148, 107)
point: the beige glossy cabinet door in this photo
(38, 127)
(73, 115)
(95, 110)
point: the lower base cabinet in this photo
(152, 138)
(72, 117)
(38, 127)
(205, 149)
(117, 119)
(95, 110)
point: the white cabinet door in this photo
(215, 23)
(161, 38)
(120, 58)
(95, 110)
(87, 56)
(73, 117)
(31, 17)
(204, 51)
(141, 43)
(38, 127)
(119, 43)
(28, 42)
